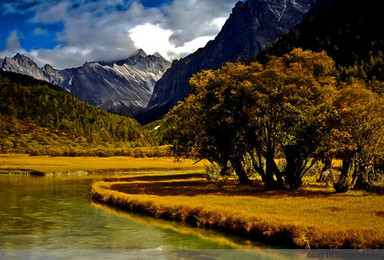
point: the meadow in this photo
(46, 165)
(311, 217)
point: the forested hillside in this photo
(40, 118)
(349, 32)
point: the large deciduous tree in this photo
(291, 116)
(357, 133)
(258, 111)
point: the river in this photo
(57, 213)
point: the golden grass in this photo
(62, 165)
(310, 217)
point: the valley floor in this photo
(46, 165)
(311, 217)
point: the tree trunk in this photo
(362, 180)
(293, 168)
(270, 171)
(356, 170)
(269, 182)
(324, 175)
(240, 172)
(342, 184)
(292, 178)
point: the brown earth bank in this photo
(311, 217)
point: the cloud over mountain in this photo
(67, 33)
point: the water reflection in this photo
(224, 240)
(57, 213)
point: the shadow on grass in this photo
(195, 184)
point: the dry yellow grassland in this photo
(60, 165)
(312, 217)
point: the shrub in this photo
(212, 172)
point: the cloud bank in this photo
(109, 30)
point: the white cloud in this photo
(51, 13)
(97, 30)
(152, 39)
(191, 19)
(13, 43)
(40, 31)
(13, 46)
(219, 22)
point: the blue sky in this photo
(66, 33)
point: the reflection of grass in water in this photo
(24, 225)
(312, 216)
(205, 234)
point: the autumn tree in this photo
(291, 116)
(209, 124)
(357, 134)
(257, 111)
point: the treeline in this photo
(293, 109)
(39, 118)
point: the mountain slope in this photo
(123, 87)
(36, 114)
(347, 30)
(251, 27)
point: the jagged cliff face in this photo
(122, 87)
(23, 65)
(251, 27)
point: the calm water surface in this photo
(58, 213)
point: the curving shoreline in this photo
(134, 194)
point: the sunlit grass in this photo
(62, 165)
(310, 217)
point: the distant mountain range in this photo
(252, 26)
(123, 87)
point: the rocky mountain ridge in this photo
(123, 87)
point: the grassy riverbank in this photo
(310, 217)
(45, 165)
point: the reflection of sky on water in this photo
(57, 213)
